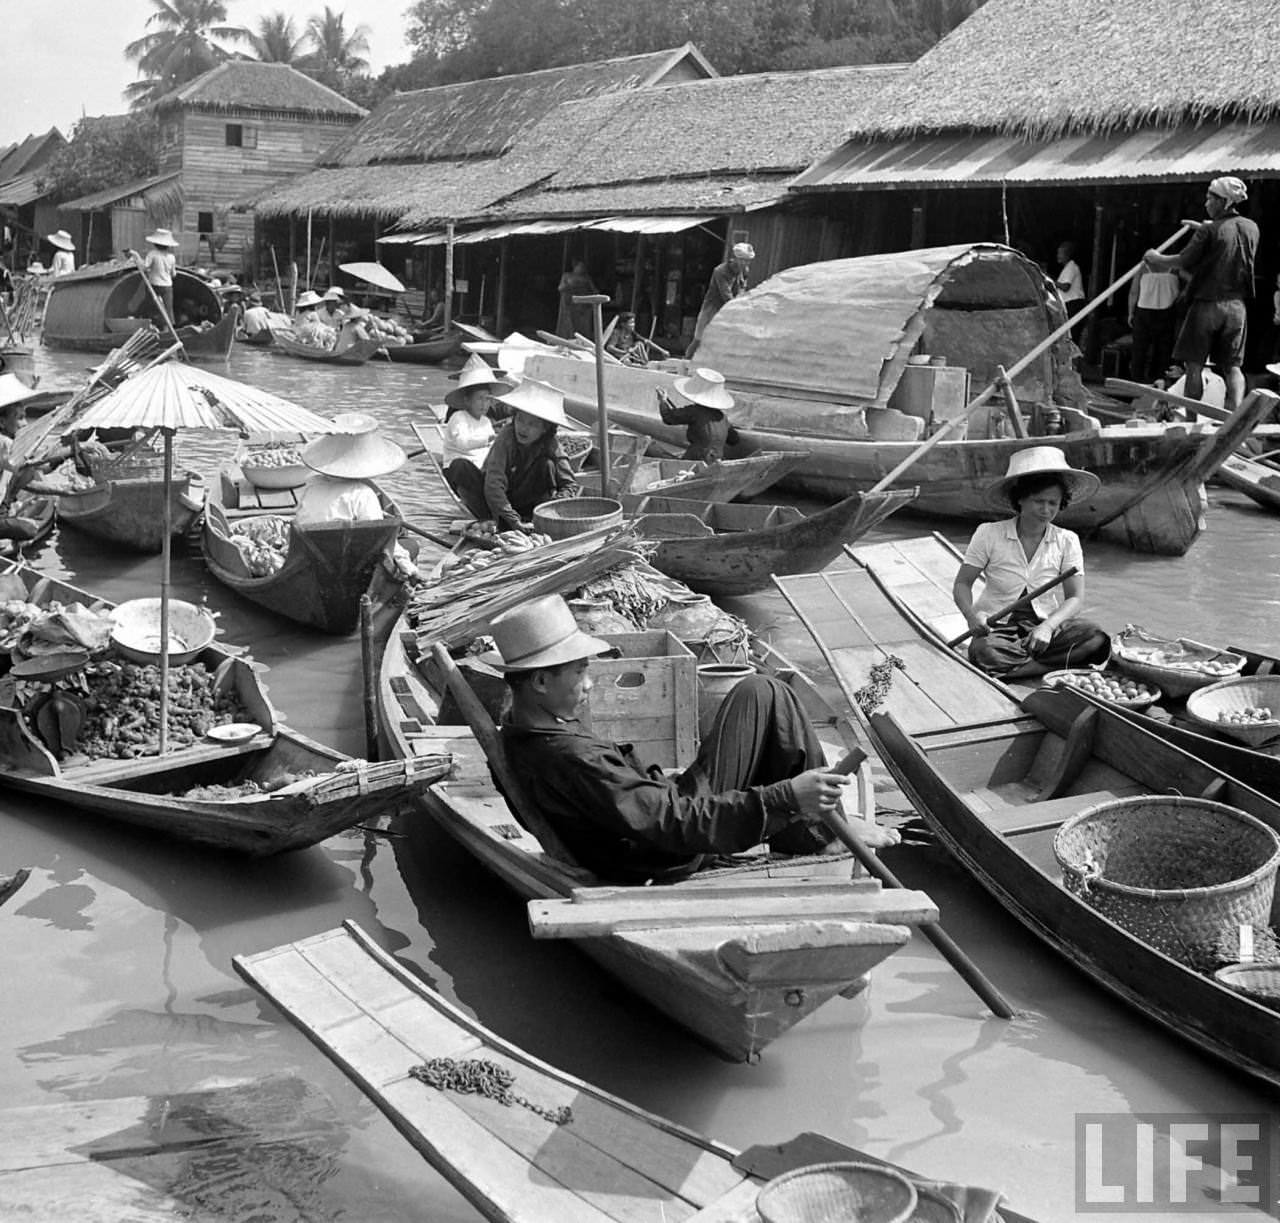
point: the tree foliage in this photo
(102, 152)
(277, 41)
(338, 53)
(189, 38)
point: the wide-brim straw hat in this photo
(36, 268)
(333, 294)
(162, 237)
(538, 399)
(308, 299)
(357, 452)
(13, 390)
(476, 372)
(62, 240)
(542, 633)
(744, 250)
(1037, 461)
(706, 386)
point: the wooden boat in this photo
(129, 512)
(94, 308)
(841, 334)
(734, 549)
(426, 352)
(356, 353)
(735, 980)
(260, 339)
(996, 778)
(1258, 481)
(693, 480)
(576, 1154)
(44, 512)
(9, 884)
(326, 568)
(304, 792)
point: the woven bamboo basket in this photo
(143, 464)
(1177, 873)
(1129, 646)
(837, 1193)
(1260, 981)
(576, 447)
(576, 516)
(1229, 695)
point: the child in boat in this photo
(758, 776)
(704, 414)
(468, 430)
(1020, 554)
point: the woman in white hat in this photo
(525, 465)
(309, 327)
(160, 266)
(64, 259)
(707, 400)
(333, 306)
(1019, 554)
(344, 463)
(468, 430)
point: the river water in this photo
(118, 950)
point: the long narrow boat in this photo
(722, 480)
(426, 352)
(326, 567)
(995, 779)
(735, 981)
(129, 513)
(842, 334)
(563, 1151)
(94, 308)
(357, 353)
(276, 790)
(1259, 481)
(734, 549)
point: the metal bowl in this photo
(136, 631)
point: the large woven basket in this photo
(1178, 873)
(1134, 651)
(576, 516)
(1260, 981)
(837, 1193)
(1229, 695)
(143, 464)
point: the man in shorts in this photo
(1219, 259)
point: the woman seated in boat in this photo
(354, 327)
(758, 777)
(468, 430)
(333, 307)
(1019, 554)
(344, 463)
(525, 465)
(704, 414)
(309, 327)
(14, 394)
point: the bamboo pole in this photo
(1024, 601)
(369, 678)
(596, 302)
(155, 297)
(281, 303)
(1014, 370)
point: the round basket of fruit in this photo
(274, 467)
(1108, 685)
(1246, 709)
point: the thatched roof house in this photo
(247, 86)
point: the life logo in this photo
(1198, 1163)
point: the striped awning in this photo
(982, 159)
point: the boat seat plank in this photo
(104, 772)
(557, 918)
(1018, 819)
(971, 735)
(1076, 752)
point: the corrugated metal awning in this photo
(401, 239)
(113, 195)
(647, 224)
(21, 190)
(981, 160)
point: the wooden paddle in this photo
(1014, 370)
(1024, 601)
(951, 952)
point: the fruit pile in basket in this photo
(1107, 686)
(1253, 715)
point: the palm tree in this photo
(184, 44)
(276, 41)
(338, 54)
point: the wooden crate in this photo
(648, 697)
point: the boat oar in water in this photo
(968, 970)
(1024, 601)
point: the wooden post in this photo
(918, 220)
(1089, 341)
(369, 678)
(639, 274)
(596, 301)
(166, 552)
(448, 276)
(308, 263)
(500, 310)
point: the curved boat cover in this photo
(842, 330)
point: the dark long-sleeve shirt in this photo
(1220, 258)
(707, 429)
(517, 478)
(628, 821)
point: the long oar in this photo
(1014, 370)
(968, 970)
(1024, 601)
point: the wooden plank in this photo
(735, 887)
(552, 918)
(1018, 819)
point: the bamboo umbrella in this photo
(176, 396)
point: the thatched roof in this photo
(30, 154)
(247, 85)
(484, 118)
(1045, 68)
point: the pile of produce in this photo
(1111, 686)
(1254, 715)
(65, 478)
(15, 615)
(245, 789)
(494, 545)
(53, 629)
(631, 593)
(1135, 644)
(122, 708)
(263, 543)
(277, 454)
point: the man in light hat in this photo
(758, 776)
(64, 260)
(1219, 259)
(727, 281)
(526, 464)
(704, 414)
(160, 266)
(468, 430)
(333, 306)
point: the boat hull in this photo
(130, 513)
(425, 352)
(357, 354)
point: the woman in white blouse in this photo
(1015, 556)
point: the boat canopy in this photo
(842, 330)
